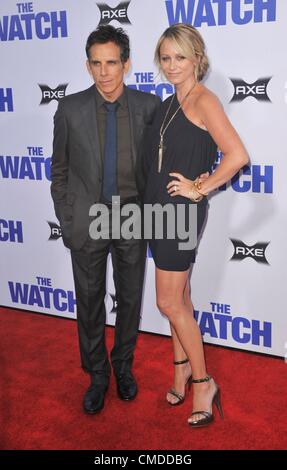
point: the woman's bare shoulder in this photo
(207, 99)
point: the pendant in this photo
(160, 154)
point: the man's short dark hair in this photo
(108, 33)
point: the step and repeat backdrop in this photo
(238, 283)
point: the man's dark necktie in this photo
(110, 152)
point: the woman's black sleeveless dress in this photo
(188, 150)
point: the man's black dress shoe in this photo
(94, 398)
(126, 386)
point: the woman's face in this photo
(176, 68)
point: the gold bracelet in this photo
(195, 198)
(198, 185)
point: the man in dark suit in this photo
(98, 135)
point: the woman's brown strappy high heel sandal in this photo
(176, 394)
(207, 416)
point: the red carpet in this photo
(42, 387)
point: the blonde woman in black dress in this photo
(181, 146)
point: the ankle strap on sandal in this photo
(199, 381)
(177, 363)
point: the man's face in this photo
(107, 69)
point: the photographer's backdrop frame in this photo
(239, 280)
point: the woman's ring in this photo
(175, 188)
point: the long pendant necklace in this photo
(163, 129)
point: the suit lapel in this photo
(89, 121)
(136, 123)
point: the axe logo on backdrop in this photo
(119, 13)
(257, 90)
(56, 231)
(115, 303)
(48, 94)
(256, 252)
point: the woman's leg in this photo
(170, 287)
(182, 372)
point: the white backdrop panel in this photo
(239, 303)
